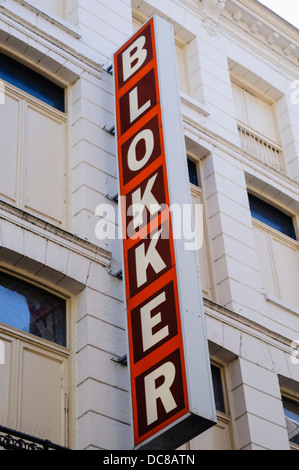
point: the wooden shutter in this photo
(33, 388)
(33, 156)
(44, 183)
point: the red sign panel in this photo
(157, 365)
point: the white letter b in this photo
(129, 57)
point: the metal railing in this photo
(262, 149)
(16, 440)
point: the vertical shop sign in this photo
(172, 397)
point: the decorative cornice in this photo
(246, 20)
(51, 17)
(233, 318)
(269, 17)
(212, 7)
(28, 221)
(265, 26)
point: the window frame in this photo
(275, 295)
(15, 68)
(295, 399)
(196, 173)
(222, 390)
(197, 192)
(21, 343)
(294, 236)
(17, 333)
(226, 414)
(224, 418)
(245, 121)
(28, 102)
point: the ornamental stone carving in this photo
(211, 11)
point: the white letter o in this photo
(148, 137)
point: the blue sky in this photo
(287, 9)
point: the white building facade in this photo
(63, 336)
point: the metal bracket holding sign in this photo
(171, 386)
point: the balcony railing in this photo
(262, 149)
(15, 440)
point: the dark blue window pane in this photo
(31, 82)
(272, 216)
(218, 390)
(192, 169)
(32, 310)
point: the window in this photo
(291, 411)
(192, 169)
(218, 388)
(33, 163)
(272, 216)
(181, 60)
(256, 113)
(219, 436)
(257, 126)
(278, 252)
(34, 379)
(31, 82)
(32, 309)
(198, 205)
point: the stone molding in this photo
(24, 38)
(29, 243)
(53, 229)
(254, 19)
